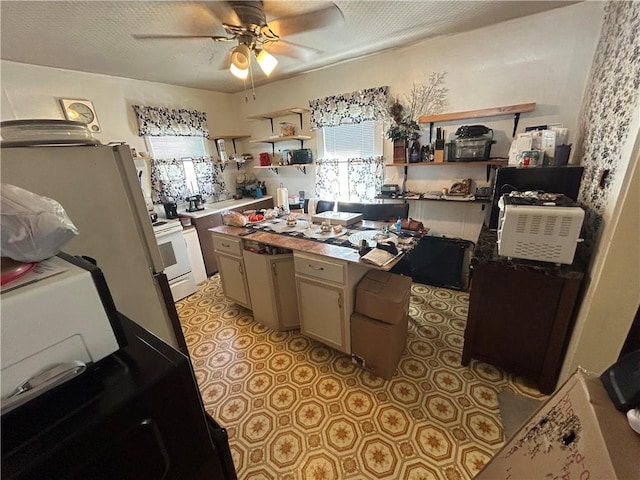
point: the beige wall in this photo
(489, 67)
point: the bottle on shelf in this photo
(414, 152)
(398, 225)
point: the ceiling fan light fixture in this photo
(241, 56)
(266, 61)
(241, 73)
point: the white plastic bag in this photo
(33, 227)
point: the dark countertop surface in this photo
(486, 252)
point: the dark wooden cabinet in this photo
(521, 316)
(203, 224)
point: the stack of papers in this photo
(379, 257)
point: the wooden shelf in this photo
(278, 113)
(233, 139)
(302, 167)
(516, 110)
(486, 112)
(282, 139)
(228, 137)
(477, 200)
(485, 163)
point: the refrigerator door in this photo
(99, 190)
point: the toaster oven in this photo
(539, 232)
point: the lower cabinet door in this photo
(284, 282)
(321, 308)
(232, 276)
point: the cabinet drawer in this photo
(317, 267)
(229, 245)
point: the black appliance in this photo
(195, 203)
(171, 209)
(136, 415)
(436, 261)
(552, 179)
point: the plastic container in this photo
(472, 149)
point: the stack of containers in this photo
(379, 323)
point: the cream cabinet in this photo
(228, 251)
(272, 288)
(326, 298)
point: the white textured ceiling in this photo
(96, 36)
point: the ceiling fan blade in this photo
(285, 26)
(224, 12)
(288, 49)
(152, 36)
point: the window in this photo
(347, 143)
(165, 147)
(359, 140)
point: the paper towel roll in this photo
(282, 197)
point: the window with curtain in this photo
(180, 164)
(350, 167)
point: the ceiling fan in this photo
(245, 21)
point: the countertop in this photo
(217, 207)
(486, 252)
(336, 252)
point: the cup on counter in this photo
(185, 221)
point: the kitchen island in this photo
(211, 216)
(306, 284)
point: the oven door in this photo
(173, 249)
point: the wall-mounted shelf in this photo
(274, 168)
(280, 113)
(233, 139)
(224, 164)
(409, 199)
(274, 140)
(486, 112)
(485, 163)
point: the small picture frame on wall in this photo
(81, 111)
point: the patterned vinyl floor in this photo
(296, 409)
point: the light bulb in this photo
(266, 61)
(240, 56)
(241, 73)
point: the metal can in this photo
(529, 158)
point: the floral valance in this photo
(354, 107)
(162, 121)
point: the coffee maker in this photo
(195, 202)
(170, 209)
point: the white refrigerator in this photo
(98, 187)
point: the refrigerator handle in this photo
(163, 282)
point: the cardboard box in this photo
(337, 218)
(378, 345)
(384, 296)
(576, 434)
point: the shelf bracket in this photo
(302, 168)
(431, 132)
(300, 118)
(233, 140)
(274, 169)
(516, 119)
(221, 166)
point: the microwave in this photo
(58, 320)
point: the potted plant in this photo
(423, 99)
